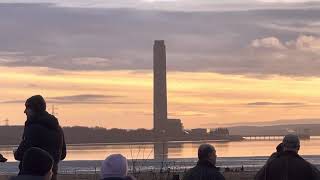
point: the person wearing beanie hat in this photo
(41, 130)
(36, 165)
(288, 164)
(206, 167)
(291, 142)
(114, 167)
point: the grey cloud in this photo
(13, 102)
(188, 114)
(181, 5)
(78, 99)
(31, 85)
(122, 39)
(266, 123)
(87, 99)
(82, 97)
(276, 104)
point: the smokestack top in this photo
(159, 42)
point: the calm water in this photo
(178, 150)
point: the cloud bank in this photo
(258, 42)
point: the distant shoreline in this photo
(130, 143)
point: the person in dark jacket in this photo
(2, 159)
(114, 167)
(41, 130)
(36, 165)
(206, 167)
(288, 165)
(261, 173)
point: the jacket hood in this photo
(44, 119)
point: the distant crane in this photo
(53, 110)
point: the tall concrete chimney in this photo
(159, 87)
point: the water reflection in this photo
(176, 150)
(161, 151)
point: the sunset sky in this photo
(236, 62)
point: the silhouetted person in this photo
(114, 167)
(2, 159)
(261, 173)
(36, 165)
(41, 130)
(288, 165)
(206, 167)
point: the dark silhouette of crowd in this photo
(286, 163)
(43, 146)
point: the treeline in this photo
(11, 135)
(78, 135)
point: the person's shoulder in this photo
(216, 174)
(189, 173)
(302, 160)
(297, 160)
(313, 167)
(219, 176)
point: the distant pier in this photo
(268, 137)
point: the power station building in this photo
(160, 115)
(161, 124)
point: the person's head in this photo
(207, 152)
(35, 104)
(37, 162)
(114, 165)
(291, 142)
(280, 148)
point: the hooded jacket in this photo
(43, 130)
